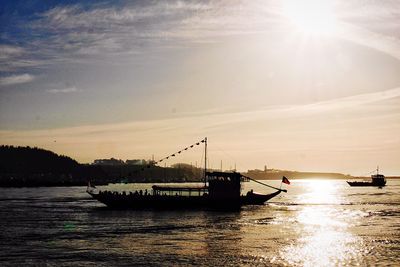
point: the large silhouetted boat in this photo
(376, 180)
(220, 190)
(223, 191)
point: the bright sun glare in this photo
(313, 17)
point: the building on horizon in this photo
(109, 162)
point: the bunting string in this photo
(175, 154)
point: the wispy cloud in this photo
(74, 30)
(8, 51)
(115, 29)
(70, 32)
(106, 28)
(67, 33)
(16, 79)
(349, 102)
(63, 90)
(302, 138)
(14, 58)
(388, 44)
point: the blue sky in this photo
(266, 84)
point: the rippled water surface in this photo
(317, 223)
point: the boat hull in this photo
(122, 201)
(257, 199)
(376, 180)
(367, 184)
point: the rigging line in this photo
(227, 154)
(283, 190)
(201, 160)
(370, 172)
(220, 150)
(367, 173)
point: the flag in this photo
(285, 180)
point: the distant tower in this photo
(265, 168)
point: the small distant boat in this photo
(376, 180)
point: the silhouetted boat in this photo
(376, 180)
(221, 190)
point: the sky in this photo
(298, 85)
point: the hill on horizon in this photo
(32, 166)
(34, 160)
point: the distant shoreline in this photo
(154, 182)
(274, 174)
(345, 178)
(36, 167)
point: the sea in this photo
(316, 223)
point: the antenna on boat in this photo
(205, 161)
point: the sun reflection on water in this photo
(323, 228)
(320, 192)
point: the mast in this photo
(205, 161)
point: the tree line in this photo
(32, 166)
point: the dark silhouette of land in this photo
(274, 174)
(27, 166)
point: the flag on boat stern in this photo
(285, 180)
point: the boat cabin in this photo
(225, 185)
(378, 177)
(221, 185)
(179, 190)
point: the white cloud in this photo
(8, 51)
(384, 43)
(132, 27)
(17, 79)
(350, 101)
(63, 90)
(74, 17)
(13, 58)
(75, 32)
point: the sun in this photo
(312, 17)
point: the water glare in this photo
(317, 223)
(323, 230)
